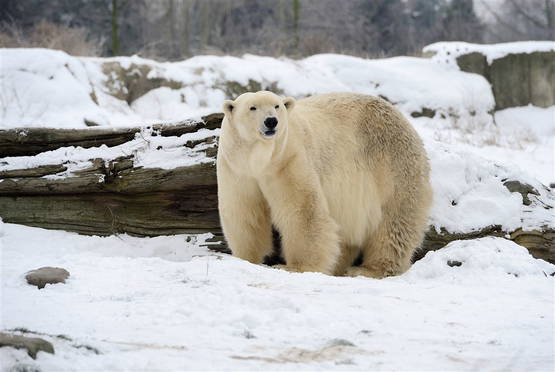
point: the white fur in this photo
(344, 174)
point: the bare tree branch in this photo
(526, 15)
(500, 20)
(549, 17)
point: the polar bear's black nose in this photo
(270, 122)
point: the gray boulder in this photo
(32, 344)
(46, 275)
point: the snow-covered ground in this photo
(164, 304)
(167, 304)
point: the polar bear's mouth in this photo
(268, 132)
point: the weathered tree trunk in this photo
(32, 141)
(115, 196)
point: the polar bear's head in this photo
(258, 116)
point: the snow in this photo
(41, 87)
(534, 128)
(469, 193)
(149, 150)
(469, 166)
(168, 304)
(61, 90)
(462, 260)
(170, 104)
(446, 52)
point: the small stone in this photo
(32, 344)
(523, 188)
(340, 342)
(426, 112)
(47, 275)
(248, 334)
(91, 123)
(347, 362)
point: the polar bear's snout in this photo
(269, 127)
(271, 123)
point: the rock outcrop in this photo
(31, 344)
(516, 79)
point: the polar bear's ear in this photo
(289, 103)
(228, 107)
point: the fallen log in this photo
(113, 195)
(540, 243)
(32, 141)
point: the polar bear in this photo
(339, 175)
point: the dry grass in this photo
(45, 34)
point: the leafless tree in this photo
(521, 20)
(176, 29)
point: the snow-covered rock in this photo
(466, 260)
(41, 87)
(447, 52)
(520, 73)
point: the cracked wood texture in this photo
(148, 201)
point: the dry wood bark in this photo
(31, 141)
(148, 201)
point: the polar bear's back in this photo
(365, 115)
(366, 153)
(360, 129)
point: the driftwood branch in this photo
(114, 196)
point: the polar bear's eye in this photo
(253, 108)
(277, 106)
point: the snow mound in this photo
(538, 122)
(47, 88)
(478, 259)
(470, 193)
(412, 84)
(446, 52)
(43, 87)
